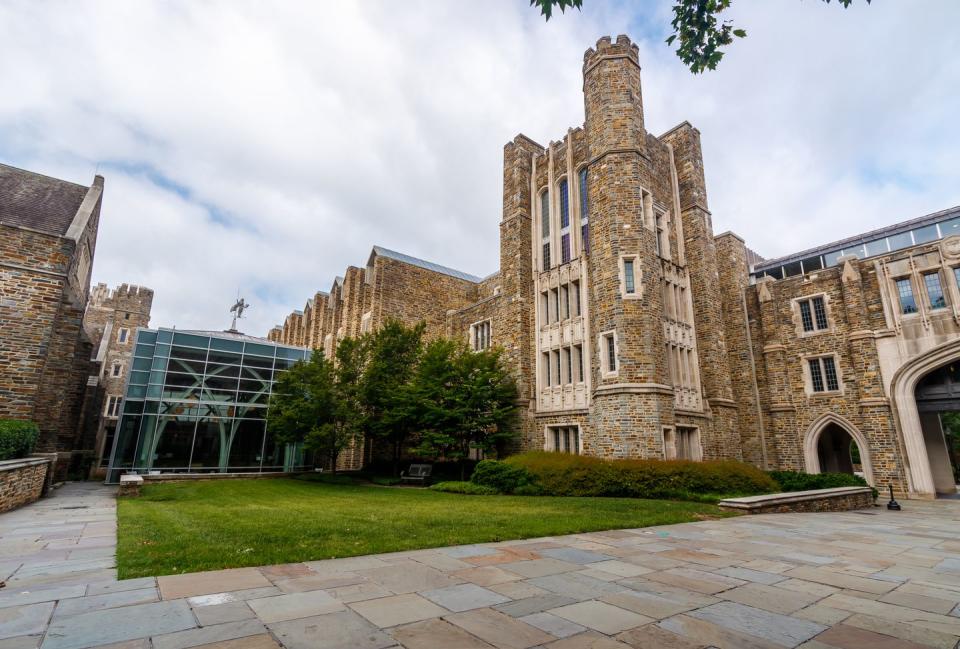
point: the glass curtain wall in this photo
(198, 402)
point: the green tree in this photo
(302, 403)
(319, 404)
(463, 400)
(348, 417)
(394, 352)
(697, 29)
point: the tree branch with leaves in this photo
(698, 32)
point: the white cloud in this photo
(267, 146)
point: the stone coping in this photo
(786, 498)
(173, 477)
(13, 465)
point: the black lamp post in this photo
(893, 504)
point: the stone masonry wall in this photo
(21, 482)
(33, 270)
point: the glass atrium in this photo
(196, 401)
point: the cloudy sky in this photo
(265, 146)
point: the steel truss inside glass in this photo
(197, 402)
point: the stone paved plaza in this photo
(872, 579)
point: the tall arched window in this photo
(564, 221)
(545, 227)
(584, 213)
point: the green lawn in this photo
(192, 526)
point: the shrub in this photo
(561, 474)
(797, 481)
(505, 478)
(328, 478)
(467, 488)
(532, 489)
(17, 438)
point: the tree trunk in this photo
(396, 458)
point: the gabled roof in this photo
(428, 265)
(38, 202)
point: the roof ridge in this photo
(427, 265)
(34, 173)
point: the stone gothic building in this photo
(65, 350)
(48, 236)
(637, 332)
(111, 322)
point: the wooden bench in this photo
(839, 499)
(417, 474)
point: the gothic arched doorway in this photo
(836, 449)
(925, 449)
(834, 445)
(938, 399)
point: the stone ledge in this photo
(22, 481)
(183, 477)
(12, 465)
(130, 485)
(817, 500)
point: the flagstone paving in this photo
(870, 579)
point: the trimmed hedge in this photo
(503, 477)
(17, 438)
(796, 481)
(467, 488)
(561, 474)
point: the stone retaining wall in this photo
(22, 481)
(819, 500)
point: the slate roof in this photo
(429, 265)
(31, 200)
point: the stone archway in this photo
(828, 423)
(907, 416)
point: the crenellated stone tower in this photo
(111, 321)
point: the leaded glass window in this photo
(629, 284)
(934, 290)
(830, 373)
(908, 303)
(564, 204)
(823, 374)
(806, 317)
(813, 314)
(820, 312)
(816, 375)
(584, 212)
(611, 353)
(545, 214)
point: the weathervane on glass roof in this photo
(237, 311)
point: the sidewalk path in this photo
(871, 579)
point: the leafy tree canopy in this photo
(464, 400)
(697, 30)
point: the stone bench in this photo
(130, 485)
(838, 499)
